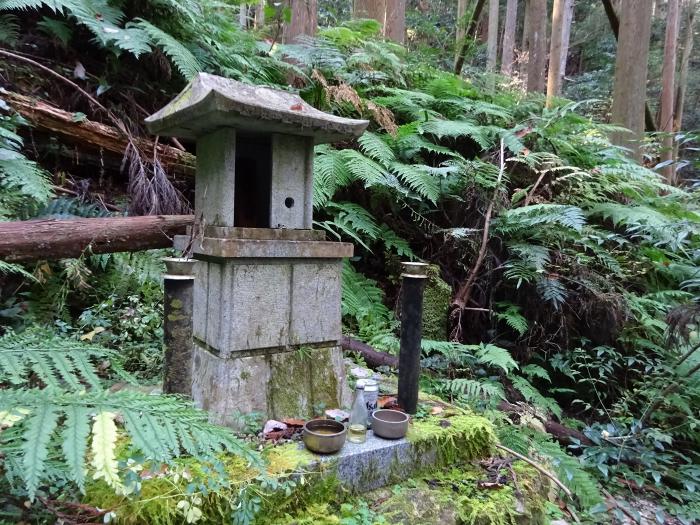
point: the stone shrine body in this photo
(266, 322)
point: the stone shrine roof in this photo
(210, 102)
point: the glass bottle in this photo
(357, 426)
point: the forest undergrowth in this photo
(573, 269)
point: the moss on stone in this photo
(452, 497)
(436, 304)
(459, 438)
(301, 381)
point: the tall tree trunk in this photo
(462, 24)
(629, 89)
(509, 37)
(243, 15)
(471, 30)
(614, 21)
(259, 15)
(395, 20)
(375, 9)
(668, 76)
(304, 20)
(525, 43)
(685, 63)
(537, 52)
(566, 37)
(492, 44)
(555, 50)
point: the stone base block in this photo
(296, 383)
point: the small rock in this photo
(337, 414)
(271, 425)
(360, 372)
(444, 423)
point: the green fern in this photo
(161, 427)
(55, 361)
(457, 129)
(495, 356)
(512, 317)
(9, 28)
(532, 395)
(362, 298)
(184, 60)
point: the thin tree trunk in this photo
(471, 28)
(554, 74)
(304, 20)
(492, 44)
(509, 37)
(566, 37)
(395, 20)
(260, 15)
(614, 21)
(629, 90)
(525, 43)
(685, 63)
(668, 75)
(537, 52)
(375, 9)
(462, 23)
(243, 15)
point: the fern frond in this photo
(532, 395)
(362, 298)
(75, 435)
(513, 318)
(419, 178)
(375, 147)
(35, 449)
(104, 440)
(457, 129)
(495, 356)
(184, 60)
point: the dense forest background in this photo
(527, 150)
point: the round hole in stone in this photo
(289, 202)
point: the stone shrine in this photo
(266, 320)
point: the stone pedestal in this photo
(267, 323)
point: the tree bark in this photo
(525, 43)
(372, 357)
(537, 52)
(94, 135)
(260, 15)
(471, 28)
(614, 21)
(23, 241)
(492, 43)
(462, 23)
(509, 37)
(566, 37)
(685, 63)
(375, 9)
(304, 20)
(668, 88)
(629, 90)
(395, 20)
(243, 16)
(555, 50)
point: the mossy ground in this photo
(295, 489)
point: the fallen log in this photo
(372, 357)
(24, 241)
(95, 135)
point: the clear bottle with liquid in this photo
(359, 415)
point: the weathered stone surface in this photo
(262, 234)
(291, 189)
(316, 294)
(210, 102)
(274, 305)
(285, 384)
(268, 249)
(215, 181)
(227, 388)
(417, 505)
